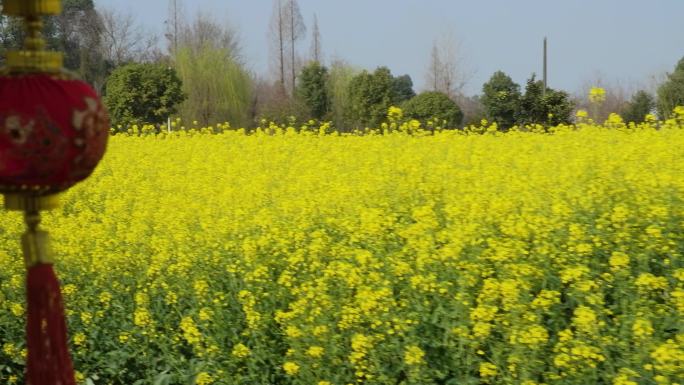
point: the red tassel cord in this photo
(48, 360)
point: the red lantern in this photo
(53, 132)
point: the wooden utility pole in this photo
(545, 73)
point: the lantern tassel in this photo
(48, 360)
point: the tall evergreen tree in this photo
(402, 87)
(312, 89)
(500, 98)
(642, 103)
(371, 94)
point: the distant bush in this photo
(434, 105)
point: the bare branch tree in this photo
(286, 29)
(174, 25)
(296, 30)
(277, 34)
(316, 53)
(447, 71)
(434, 72)
(124, 40)
(654, 81)
(616, 98)
(204, 32)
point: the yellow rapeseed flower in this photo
(585, 319)
(17, 309)
(240, 351)
(488, 369)
(618, 260)
(290, 368)
(204, 378)
(668, 357)
(315, 351)
(642, 328)
(190, 332)
(413, 355)
(79, 339)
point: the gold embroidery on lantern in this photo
(90, 123)
(17, 132)
(85, 118)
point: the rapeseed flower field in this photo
(298, 257)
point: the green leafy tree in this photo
(371, 94)
(536, 108)
(339, 79)
(145, 93)
(402, 87)
(559, 107)
(642, 103)
(313, 89)
(671, 93)
(531, 108)
(217, 85)
(500, 98)
(434, 105)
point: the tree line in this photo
(202, 77)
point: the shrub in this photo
(143, 92)
(434, 105)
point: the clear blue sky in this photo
(623, 40)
